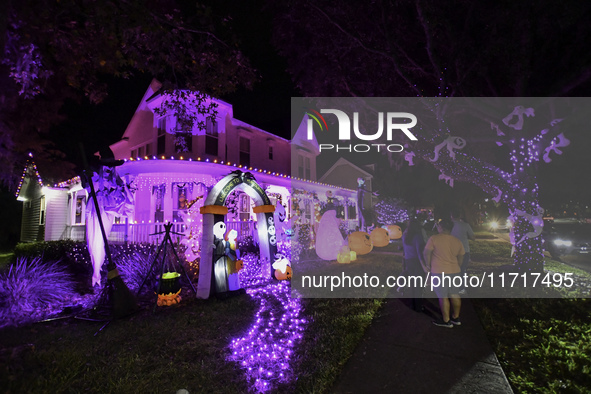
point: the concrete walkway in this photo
(403, 352)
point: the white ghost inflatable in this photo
(329, 240)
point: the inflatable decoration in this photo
(282, 268)
(233, 264)
(379, 237)
(346, 255)
(328, 238)
(360, 243)
(394, 231)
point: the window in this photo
(270, 153)
(140, 151)
(158, 196)
(244, 207)
(148, 149)
(304, 167)
(245, 151)
(161, 140)
(211, 137)
(42, 211)
(79, 210)
(181, 195)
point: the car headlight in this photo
(494, 225)
(560, 242)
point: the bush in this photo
(31, 290)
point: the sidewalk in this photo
(403, 352)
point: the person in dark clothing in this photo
(413, 244)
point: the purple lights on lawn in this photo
(266, 349)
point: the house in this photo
(172, 173)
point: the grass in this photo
(543, 344)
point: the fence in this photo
(147, 232)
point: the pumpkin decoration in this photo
(346, 255)
(360, 243)
(283, 275)
(282, 268)
(379, 237)
(394, 231)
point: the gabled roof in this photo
(300, 138)
(344, 162)
(30, 177)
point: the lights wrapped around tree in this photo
(517, 188)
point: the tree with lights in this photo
(419, 49)
(55, 51)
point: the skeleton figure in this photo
(562, 142)
(450, 143)
(536, 221)
(518, 111)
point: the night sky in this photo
(268, 106)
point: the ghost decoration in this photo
(282, 267)
(282, 225)
(518, 112)
(562, 142)
(447, 179)
(329, 240)
(394, 231)
(497, 199)
(450, 143)
(536, 221)
(360, 242)
(409, 156)
(114, 199)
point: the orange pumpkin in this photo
(360, 242)
(379, 237)
(394, 231)
(283, 276)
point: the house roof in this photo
(344, 162)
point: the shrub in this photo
(31, 290)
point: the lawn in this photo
(183, 346)
(542, 344)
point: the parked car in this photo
(567, 236)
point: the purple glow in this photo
(266, 349)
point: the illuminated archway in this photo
(214, 211)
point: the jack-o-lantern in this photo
(346, 255)
(360, 243)
(282, 268)
(283, 275)
(394, 231)
(379, 237)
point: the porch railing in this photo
(140, 232)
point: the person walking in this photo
(462, 231)
(413, 244)
(443, 255)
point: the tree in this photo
(450, 49)
(54, 51)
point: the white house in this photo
(171, 178)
